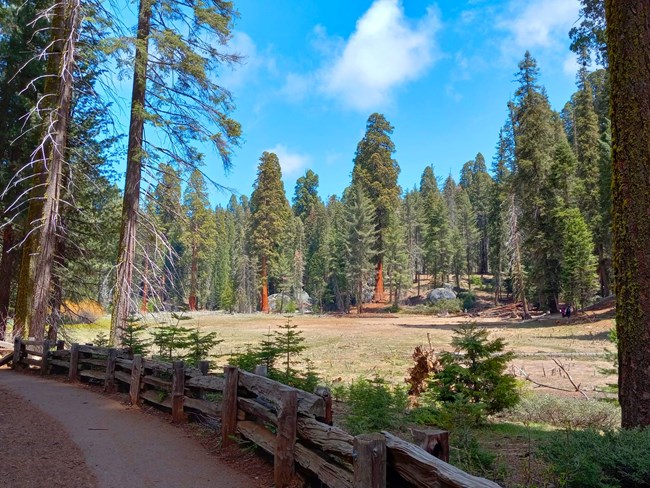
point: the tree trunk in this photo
(25, 288)
(265, 287)
(58, 121)
(193, 301)
(6, 265)
(144, 304)
(131, 202)
(628, 34)
(379, 280)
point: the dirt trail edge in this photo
(123, 446)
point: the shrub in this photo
(475, 373)
(374, 406)
(453, 305)
(132, 337)
(468, 298)
(475, 280)
(590, 459)
(566, 413)
(101, 340)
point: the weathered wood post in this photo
(18, 349)
(434, 441)
(369, 454)
(136, 379)
(44, 358)
(109, 382)
(60, 345)
(204, 367)
(178, 392)
(261, 370)
(326, 395)
(229, 405)
(74, 362)
(285, 440)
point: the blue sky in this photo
(441, 73)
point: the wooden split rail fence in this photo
(290, 424)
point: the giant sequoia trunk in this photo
(264, 306)
(379, 280)
(131, 203)
(628, 34)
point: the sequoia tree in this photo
(270, 218)
(376, 171)
(628, 35)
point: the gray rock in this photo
(438, 294)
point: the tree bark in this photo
(379, 280)
(131, 202)
(264, 306)
(628, 34)
(58, 119)
(6, 265)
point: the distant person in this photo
(568, 311)
(563, 312)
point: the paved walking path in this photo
(124, 446)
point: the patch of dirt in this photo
(35, 449)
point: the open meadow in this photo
(346, 347)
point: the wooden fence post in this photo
(44, 358)
(18, 348)
(136, 379)
(326, 395)
(285, 440)
(178, 392)
(434, 441)
(74, 362)
(109, 382)
(60, 345)
(229, 405)
(369, 454)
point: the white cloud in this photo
(290, 162)
(252, 62)
(571, 65)
(539, 23)
(385, 51)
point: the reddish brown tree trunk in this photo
(144, 304)
(131, 201)
(265, 287)
(628, 35)
(6, 265)
(379, 281)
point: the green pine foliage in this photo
(374, 406)
(132, 339)
(473, 376)
(199, 346)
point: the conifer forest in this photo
(558, 216)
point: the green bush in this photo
(590, 459)
(475, 280)
(374, 406)
(566, 413)
(473, 376)
(468, 298)
(453, 305)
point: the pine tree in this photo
(376, 171)
(174, 92)
(412, 215)
(468, 232)
(305, 198)
(578, 261)
(397, 259)
(199, 236)
(438, 247)
(337, 237)
(270, 217)
(361, 232)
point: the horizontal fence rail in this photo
(292, 425)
